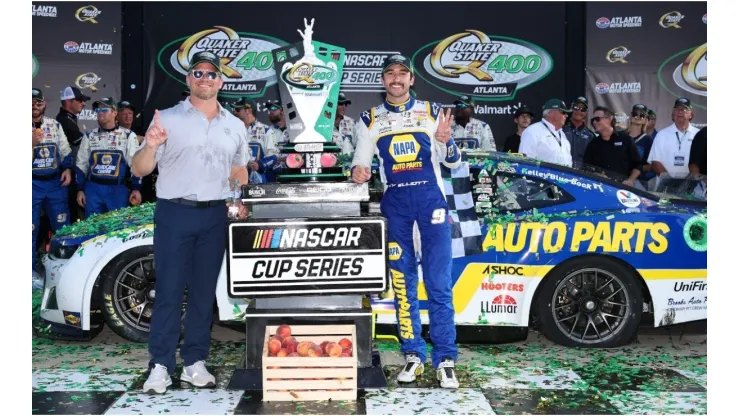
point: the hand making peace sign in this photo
(444, 129)
(156, 135)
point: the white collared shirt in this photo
(543, 141)
(672, 148)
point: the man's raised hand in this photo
(444, 129)
(156, 135)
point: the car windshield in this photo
(692, 188)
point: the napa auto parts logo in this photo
(619, 22)
(483, 66)
(686, 70)
(246, 59)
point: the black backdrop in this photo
(145, 38)
(359, 27)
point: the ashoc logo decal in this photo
(619, 22)
(246, 58)
(484, 66)
(618, 88)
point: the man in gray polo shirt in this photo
(198, 147)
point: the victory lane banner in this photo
(647, 53)
(77, 44)
(279, 257)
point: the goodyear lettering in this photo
(404, 316)
(315, 267)
(607, 237)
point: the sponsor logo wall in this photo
(77, 44)
(647, 53)
(499, 61)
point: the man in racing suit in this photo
(277, 136)
(411, 138)
(343, 134)
(51, 156)
(260, 143)
(103, 163)
(470, 132)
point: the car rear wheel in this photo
(592, 302)
(128, 295)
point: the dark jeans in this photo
(189, 246)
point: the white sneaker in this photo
(198, 375)
(446, 375)
(413, 368)
(158, 381)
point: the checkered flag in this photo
(466, 236)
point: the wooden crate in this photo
(335, 378)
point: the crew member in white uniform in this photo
(469, 132)
(672, 145)
(545, 140)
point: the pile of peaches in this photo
(283, 344)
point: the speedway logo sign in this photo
(487, 67)
(686, 70)
(246, 59)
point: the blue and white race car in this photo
(578, 254)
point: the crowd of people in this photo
(194, 150)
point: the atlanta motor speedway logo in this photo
(687, 70)
(246, 59)
(484, 66)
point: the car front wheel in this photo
(128, 293)
(590, 302)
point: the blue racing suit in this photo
(50, 158)
(402, 136)
(103, 163)
(262, 149)
(272, 164)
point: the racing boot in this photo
(158, 381)
(198, 375)
(413, 368)
(446, 374)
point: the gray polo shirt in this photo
(195, 162)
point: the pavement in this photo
(663, 372)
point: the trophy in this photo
(309, 76)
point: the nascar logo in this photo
(292, 238)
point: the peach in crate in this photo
(309, 374)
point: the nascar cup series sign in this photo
(338, 255)
(246, 59)
(484, 66)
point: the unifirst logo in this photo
(404, 308)
(394, 251)
(292, 238)
(404, 148)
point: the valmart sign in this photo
(484, 66)
(246, 59)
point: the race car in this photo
(578, 253)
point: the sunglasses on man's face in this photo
(578, 108)
(597, 119)
(211, 75)
(102, 110)
(638, 114)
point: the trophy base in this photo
(334, 174)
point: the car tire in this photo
(597, 296)
(111, 304)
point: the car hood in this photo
(118, 223)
